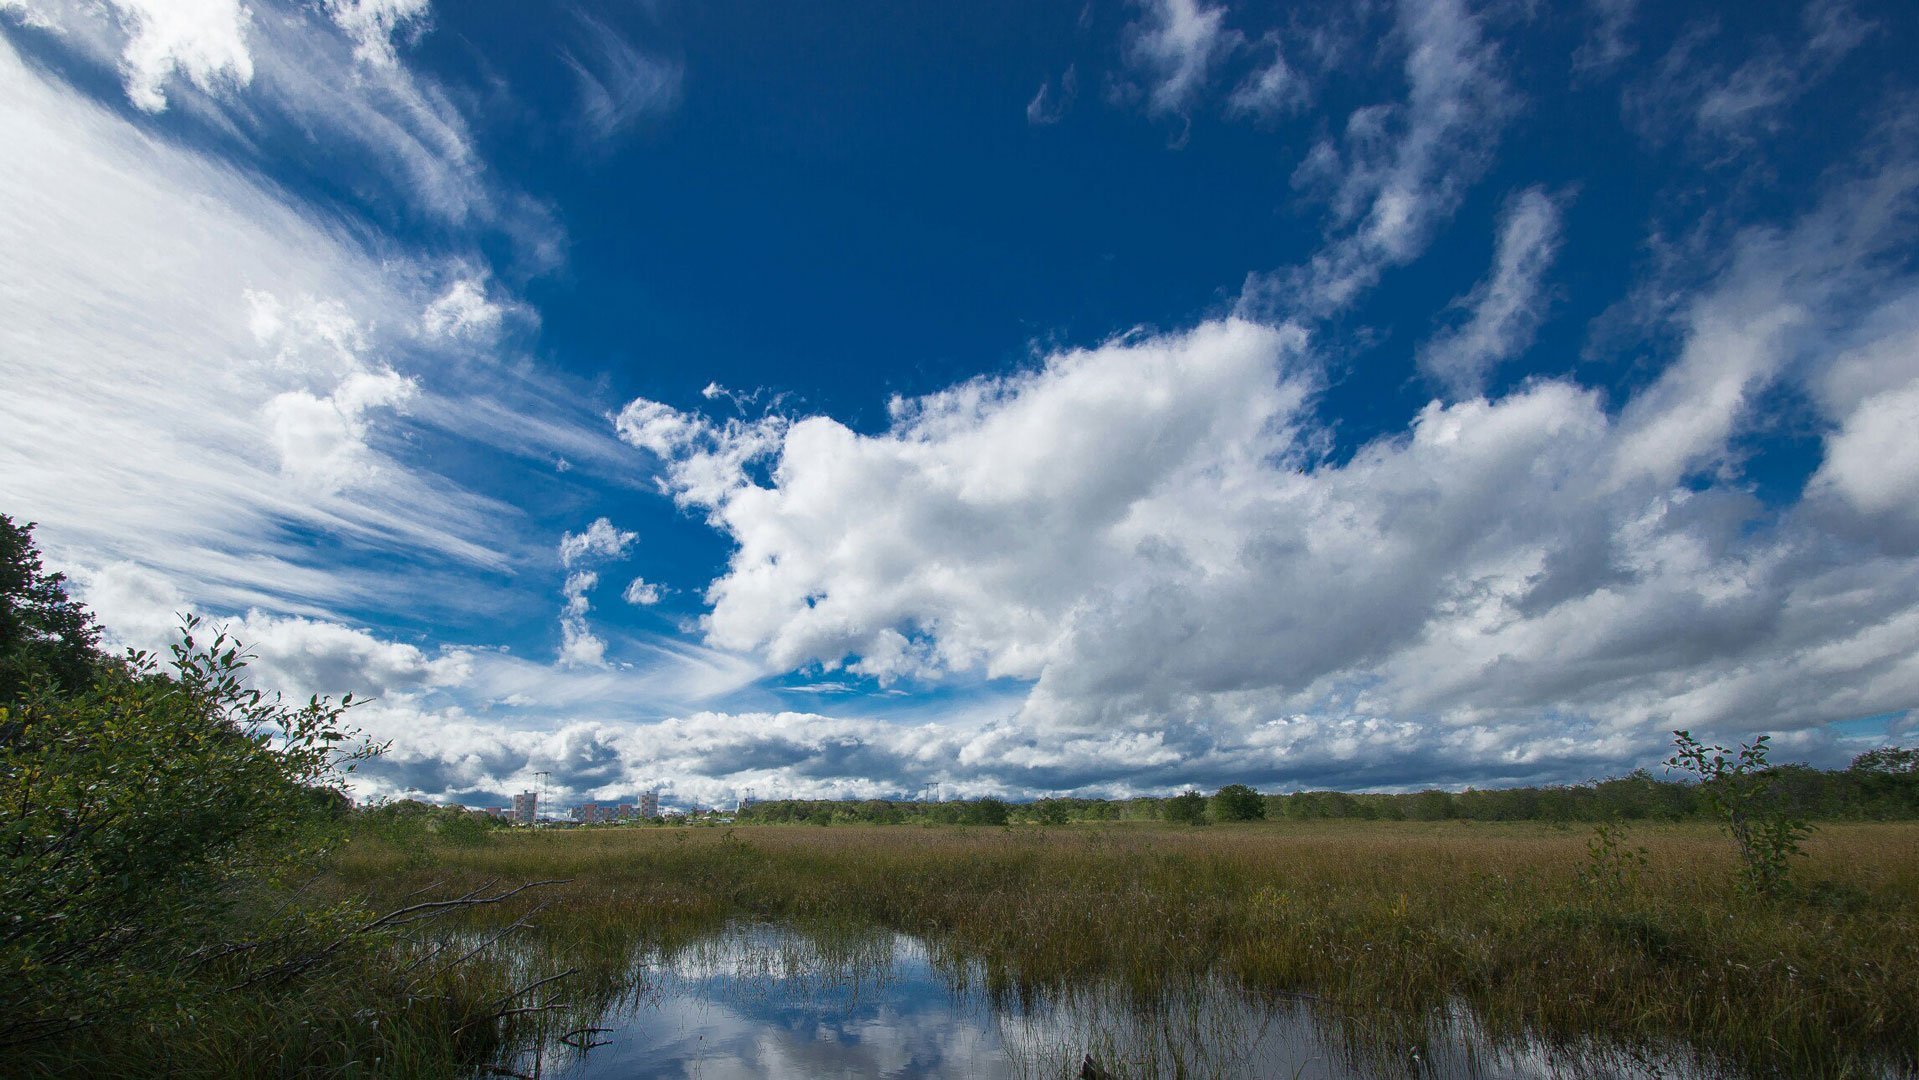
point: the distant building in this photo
(624, 811)
(649, 804)
(526, 807)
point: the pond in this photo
(768, 1001)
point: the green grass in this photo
(1387, 921)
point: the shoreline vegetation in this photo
(184, 892)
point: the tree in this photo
(1187, 808)
(44, 634)
(1237, 802)
(984, 812)
(1052, 812)
(1887, 761)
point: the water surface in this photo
(765, 1001)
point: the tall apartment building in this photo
(649, 804)
(526, 808)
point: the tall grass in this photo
(1384, 920)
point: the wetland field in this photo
(1339, 948)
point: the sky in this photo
(836, 400)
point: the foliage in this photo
(140, 819)
(1740, 787)
(1188, 808)
(45, 636)
(1237, 802)
(1612, 869)
(984, 812)
(1887, 761)
(1052, 812)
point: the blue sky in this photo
(1027, 398)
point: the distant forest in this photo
(1880, 785)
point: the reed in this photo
(1382, 920)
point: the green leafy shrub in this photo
(1741, 788)
(141, 821)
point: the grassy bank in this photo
(1382, 920)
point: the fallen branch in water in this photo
(412, 913)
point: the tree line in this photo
(1881, 784)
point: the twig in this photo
(530, 987)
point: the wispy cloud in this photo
(1400, 169)
(1721, 109)
(1053, 99)
(1505, 309)
(1274, 89)
(618, 83)
(1173, 48)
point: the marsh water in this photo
(768, 1001)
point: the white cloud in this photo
(578, 645)
(1400, 169)
(1872, 461)
(322, 440)
(202, 41)
(600, 540)
(1146, 536)
(375, 24)
(251, 69)
(1174, 47)
(221, 331)
(641, 592)
(463, 310)
(1273, 90)
(1505, 309)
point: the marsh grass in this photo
(1387, 923)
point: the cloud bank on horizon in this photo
(1567, 395)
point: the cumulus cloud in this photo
(1147, 537)
(322, 440)
(301, 657)
(1504, 310)
(579, 646)
(463, 310)
(1400, 169)
(641, 592)
(600, 540)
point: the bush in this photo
(1188, 808)
(139, 820)
(1237, 802)
(984, 812)
(1743, 789)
